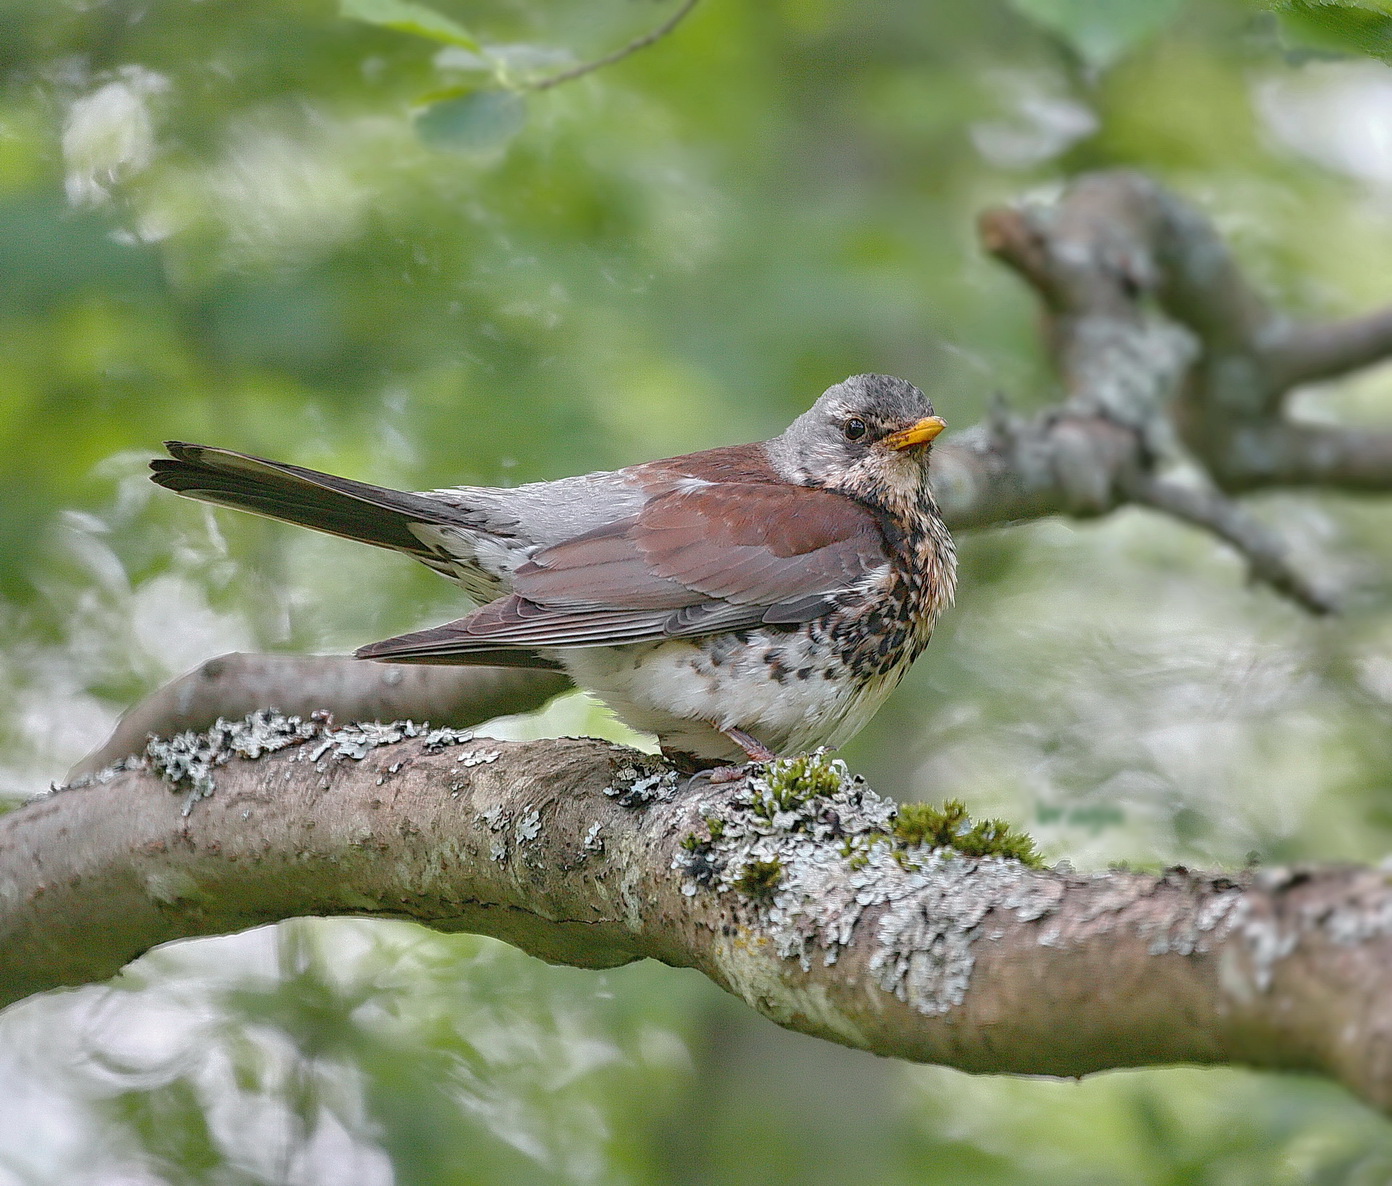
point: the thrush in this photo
(740, 602)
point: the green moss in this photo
(759, 879)
(856, 849)
(949, 826)
(693, 843)
(791, 782)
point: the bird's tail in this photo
(340, 506)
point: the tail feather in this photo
(340, 506)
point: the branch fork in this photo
(1154, 329)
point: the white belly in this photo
(686, 692)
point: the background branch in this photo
(638, 43)
(235, 684)
(1204, 382)
(1266, 552)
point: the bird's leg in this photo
(715, 775)
(698, 769)
(756, 749)
(702, 771)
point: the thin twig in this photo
(618, 55)
(1266, 552)
(1308, 353)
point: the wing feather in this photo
(722, 556)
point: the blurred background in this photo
(273, 226)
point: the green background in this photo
(267, 226)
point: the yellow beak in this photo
(920, 434)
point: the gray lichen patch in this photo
(189, 759)
(102, 776)
(638, 783)
(1195, 927)
(359, 739)
(811, 848)
(934, 914)
(440, 739)
(529, 826)
(1269, 936)
(496, 819)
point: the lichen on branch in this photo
(820, 903)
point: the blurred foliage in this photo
(356, 240)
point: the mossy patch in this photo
(949, 826)
(758, 879)
(788, 783)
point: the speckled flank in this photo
(797, 684)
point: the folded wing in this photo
(696, 560)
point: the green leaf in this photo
(405, 16)
(1102, 30)
(1355, 28)
(474, 123)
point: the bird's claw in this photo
(717, 775)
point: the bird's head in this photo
(868, 436)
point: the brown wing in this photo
(700, 559)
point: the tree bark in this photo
(788, 889)
(236, 684)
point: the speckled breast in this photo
(889, 631)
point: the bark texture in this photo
(789, 889)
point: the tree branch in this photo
(1204, 379)
(638, 43)
(236, 684)
(1266, 552)
(1297, 354)
(785, 890)
(1287, 454)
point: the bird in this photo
(741, 603)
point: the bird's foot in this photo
(717, 775)
(700, 769)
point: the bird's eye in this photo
(854, 429)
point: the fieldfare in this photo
(739, 602)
